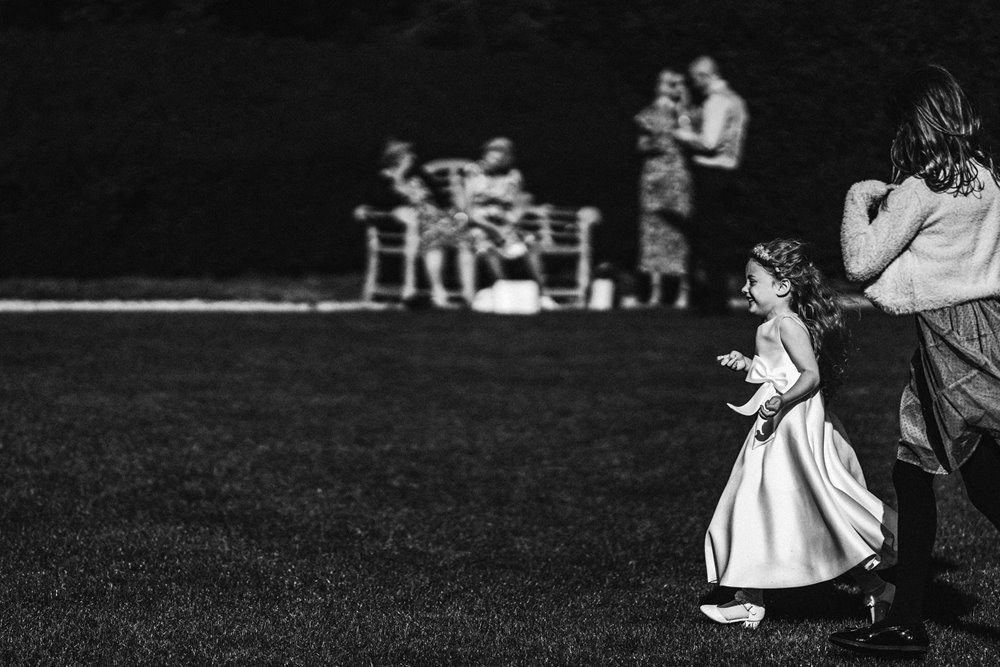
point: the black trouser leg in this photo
(980, 474)
(915, 540)
(715, 245)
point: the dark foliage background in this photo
(220, 137)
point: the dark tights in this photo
(918, 522)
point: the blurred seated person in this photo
(424, 207)
(494, 201)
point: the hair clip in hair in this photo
(761, 253)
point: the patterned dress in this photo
(438, 227)
(494, 198)
(664, 194)
(953, 398)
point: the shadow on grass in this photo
(825, 601)
(836, 601)
(946, 605)
(988, 632)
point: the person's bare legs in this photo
(683, 298)
(535, 265)
(655, 288)
(495, 263)
(411, 248)
(434, 265)
(467, 272)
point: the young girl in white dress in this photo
(796, 510)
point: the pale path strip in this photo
(189, 306)
(233, 306)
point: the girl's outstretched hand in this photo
(734, 360)
(771, 407)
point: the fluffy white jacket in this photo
(924, 249)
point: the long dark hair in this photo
(813, 300)
(939, 135)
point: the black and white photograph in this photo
(499, 332)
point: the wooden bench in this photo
(563, 233)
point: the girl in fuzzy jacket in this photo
(928, 244)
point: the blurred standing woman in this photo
(928, 244)
(664, 189)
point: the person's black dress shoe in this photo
(886, 640)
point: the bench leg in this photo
(583, 275)
(371, 275)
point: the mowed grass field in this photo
(413, 488)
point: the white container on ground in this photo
(509, 297)
(602, 294)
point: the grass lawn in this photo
(412, 488)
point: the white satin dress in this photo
(796, 510)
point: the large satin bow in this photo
(772, 382)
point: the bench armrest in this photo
(404, 216)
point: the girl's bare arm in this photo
(798, 344)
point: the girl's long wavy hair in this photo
(939, 135)
(812, 300)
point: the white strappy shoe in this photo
(747, 613)
(878, 605)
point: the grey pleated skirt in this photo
(953, 398)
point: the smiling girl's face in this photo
(764, 293)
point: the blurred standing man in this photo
(717, 150)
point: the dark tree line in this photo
(223, 136)
(444, 21)
(435, 23)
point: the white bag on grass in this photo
(509, 297)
